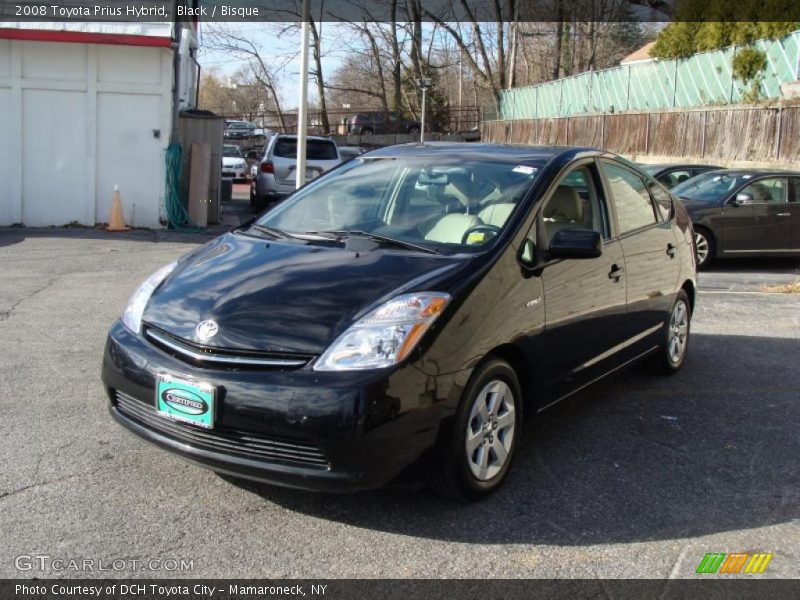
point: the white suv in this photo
(276, 177)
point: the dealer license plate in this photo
(193, 403)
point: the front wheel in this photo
(675, 341)
(474, 459)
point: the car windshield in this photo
(448, 204)
(231, 151)
(238, 125)
(315, 149)
(711, 187)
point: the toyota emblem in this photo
(205, 330)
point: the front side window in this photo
(767, 191)
(574, 204)
(449, 204)
(630, 197)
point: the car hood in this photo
(286, 297)
(232, 161)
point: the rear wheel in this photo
(413, 130)
(475, 458)
(675, 341)
(367, 131)
(705, 247)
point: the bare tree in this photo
(222, 37)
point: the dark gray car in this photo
(743, 213)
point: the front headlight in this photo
(386, 335)
(132, 317)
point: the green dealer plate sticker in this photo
(192, 403)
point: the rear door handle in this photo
(616, 272)
(783, 215)
(671, 250)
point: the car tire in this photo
(671, 354)
(469, 462)
(367, 131)
(705, 247)
(413, 130)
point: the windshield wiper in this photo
(274, 232)
(381, 239)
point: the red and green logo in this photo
(737, 562)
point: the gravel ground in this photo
(635, 477)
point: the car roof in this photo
(293, 136)
(473, 150)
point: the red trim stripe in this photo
(81, 37)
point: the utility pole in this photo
(424, 84)
(302, 109)
(460, 88)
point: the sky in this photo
(272, 46)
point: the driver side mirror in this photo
(576, 243)
(743, 198)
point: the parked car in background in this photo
(350, 152)
(378, 122)
(234, 166)
(276, 174)
(672, 175)
(238, 130)
(363, 325)
(743, 213)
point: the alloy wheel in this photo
(678, 332)
(702, 246)
(490, 430)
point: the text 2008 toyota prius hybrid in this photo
(414, 303)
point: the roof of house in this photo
(641, 54)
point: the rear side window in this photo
(673, 178)
(663, 200)
(315, 149)
(631, 199)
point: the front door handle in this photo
(783, 215)
(671, 249)
(616, 272)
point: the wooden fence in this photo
(749, 133)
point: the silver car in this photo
(234, 166)
(276, 174)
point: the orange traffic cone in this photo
(116, 221)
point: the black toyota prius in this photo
(408, 307)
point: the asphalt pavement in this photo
(637, 476)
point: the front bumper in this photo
(367, 426)
(235, 172)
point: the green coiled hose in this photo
(177, 216)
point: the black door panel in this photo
(763, 224)
(584, 310)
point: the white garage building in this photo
(85, 107)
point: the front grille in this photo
(206, 356)
(228, 441)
